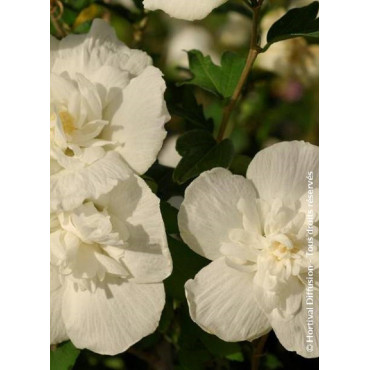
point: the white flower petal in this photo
(273, 294)
(243, 247)
(138, 124)
(62, 88)
(184, 9)
(91, 97)
(168, 156)
(86, 53)
(310, 203)
(114, 317)
(210, 211)
(221, 302)
(58, 332)
(146, 254)
(70, 187)
(110, 82)
(90, 225)
(280, 170)
(54, 46)
(292, 333)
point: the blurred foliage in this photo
(274, 106)
(63, 356)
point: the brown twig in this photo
(258, 352)
(56, 7)
(254, 50)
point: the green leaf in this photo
(237, 356)
(193, 359)
(193, 355)
(240, 164)
(162, 176)
(169, 215)
(186, 264)
(166, 317)
(220, 80)
(64, 356)
(77, 4)
(221, 349)
(149, 341)
(271, 362)
(151, 183)
(191, 141)
(200, 152)
(186, 106)
(295, 23)
(83, 27)
(114, 363)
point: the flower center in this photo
(281, 251)
(76, 118)
(279, 248)
(67, 122)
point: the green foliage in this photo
(220, 80)
(295, 23)
(151, 183)
(114, 363)
(166, 318)
(169, 215)
(230, 6)
(121, 11)
(186, 107)
(186, 264)
(221, 349)
(271, 362)
(139, 4)
(64, 356)
(193, 359)
(200, 350)
(201, 152)
(240, 164)
(83, 27)
(77, 4)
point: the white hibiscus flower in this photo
(184, 9)
(107, 115)
(108, 259)
(254, 231)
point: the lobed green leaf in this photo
(187, 107)
(200, 152)
(220, 80)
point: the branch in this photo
(254, 50)
(258, 352)
(55, 6)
